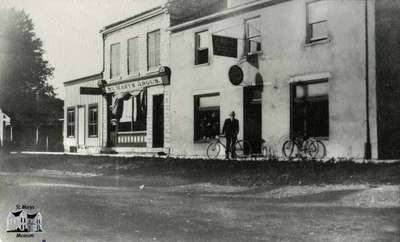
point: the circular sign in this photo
(235, 75)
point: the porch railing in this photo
(130, 139)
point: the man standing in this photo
(231, 130)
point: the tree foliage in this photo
(24, 73)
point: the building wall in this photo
(285, 58)
(73, 98)
(137, 30)
(160, 22)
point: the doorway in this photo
(252, 117)
(81, 126)
(158, 121)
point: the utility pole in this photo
(367, 145)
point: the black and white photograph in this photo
(199, 120)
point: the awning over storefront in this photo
(140, 101)
(118, 105)
(137, 88)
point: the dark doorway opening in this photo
(111, 129)
(158, 121)
(252, 117)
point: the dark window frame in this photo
(113, 73)
(247, 38)
(92, 123)
(149, 67)
(197, 133)
(306, 101)
(309, 25)
(71, 133)
(197, 48)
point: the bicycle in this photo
(305, 147)
(241, 148)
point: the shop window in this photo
(133, 55)
(202, 46)
(93, 120)
(253, 35)
(71, 122)
(153, 49)
(310, 109)
(317, 21)
(115, 56)
(206, 116)
(134, 115)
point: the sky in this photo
(70, 29)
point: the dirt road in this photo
(82, 207)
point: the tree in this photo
(24, 73)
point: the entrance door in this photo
(158, 121)
(252, 117)
(81, 126)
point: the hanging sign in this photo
(91, 91)
(134, 85)
(235, 75)
(225, 46)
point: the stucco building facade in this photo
(331, 67)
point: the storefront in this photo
(302, 83)
(136, 112)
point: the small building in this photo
(22, 221)
(83, 112)
(6, 130)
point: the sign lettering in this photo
(134, 85)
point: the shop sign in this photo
(224, 46)
(90, 91)
(235, 75)
(134, 85)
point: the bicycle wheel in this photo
(213, 150)
(310, 148)
(242, 149)
(321, 150)
(288, 149)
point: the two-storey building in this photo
(126, 108)
(286, 67)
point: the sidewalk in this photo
(132, 155)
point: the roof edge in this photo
(134, 19)
(84, 79)
(225, 14)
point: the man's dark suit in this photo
(231, 130)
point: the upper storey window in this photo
(153, 49)
(317, 21)
(133, 55)
(253, 35)
(202, 45)
(115, 58)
